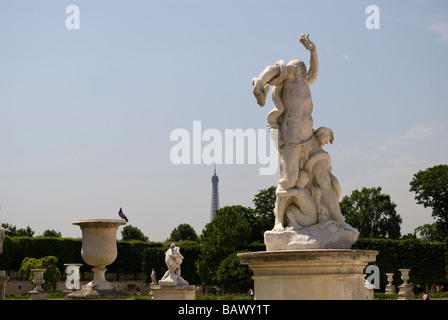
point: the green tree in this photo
(233, 276)
(51, 275)
(372, 213)
(430, 232)
(183, 232)
(132, 233)
(431, 190)
(14, 232)
(28, 232)
(52, 233)
(227, 233)
(264, 218)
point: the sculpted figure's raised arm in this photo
(313, 67)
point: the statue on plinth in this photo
(2, 236)
(307, 212)
(153, 277)
(173, 260)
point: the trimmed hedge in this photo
(15, 249)
(68, 250)
(427, 261)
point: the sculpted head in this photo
(324, 136)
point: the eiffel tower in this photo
(215, 196)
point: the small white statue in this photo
(153, 277)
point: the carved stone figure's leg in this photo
(290, 161)
(279, 213)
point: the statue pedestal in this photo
(173, 292)
(390, 288)
(3, 279)
(321, 274)
(405, 290)
(37, 295)
(91, 293)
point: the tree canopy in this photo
(183, 232)
(431, 190)
(51, 275)
(227, 233)
(132, 233)
(372, 213)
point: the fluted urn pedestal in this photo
(405, 292)
(99, 249)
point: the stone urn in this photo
(99, 248)
(38, 279)
(390, 288)
(405, 290)
(38, 292)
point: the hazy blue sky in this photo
(86, 114)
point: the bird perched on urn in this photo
(122, 216)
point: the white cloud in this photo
(439, 26)
(418, 132)
(406, 160)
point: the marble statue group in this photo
(173, 260)
(307, 212)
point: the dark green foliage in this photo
(233, 276)
(51, 275)
(372, 213)
(426, 260)
(227, 233)
(130, 233)
(130, 257)
(68, 250)
(15, 249)
(431, 190)
(183, 232)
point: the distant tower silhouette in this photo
(215, 196)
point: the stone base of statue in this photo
(173, 288)
(320, 236)
(92, 293)
(405, 290)
(3, 279)
(405, 293)
(320, 274)
(98, 289)
(38, 295)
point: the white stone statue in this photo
(2, 237)
(153, 277)
(307, 212)
(173, 260)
